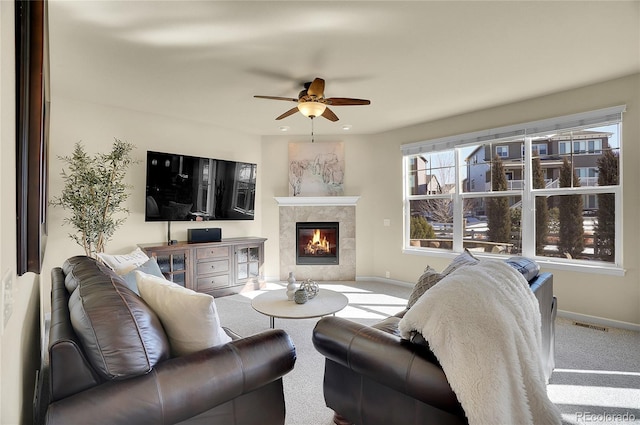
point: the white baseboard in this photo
(386, 280)
(272, 279)
(369, 278)
(598, 320)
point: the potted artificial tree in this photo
(94, 192)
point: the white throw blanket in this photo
(483, 324)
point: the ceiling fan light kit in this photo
(312, 108)
(312, 103)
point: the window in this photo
(541, 148)
(560, 202)
(581, 147)
(588, 176)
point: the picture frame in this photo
(316, 169)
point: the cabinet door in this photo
(248, 262)
(173, 265)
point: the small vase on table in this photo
(291, 286)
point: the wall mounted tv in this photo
(189, 188)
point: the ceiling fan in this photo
(312, 103)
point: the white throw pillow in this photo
(190, 318)
(123, 264)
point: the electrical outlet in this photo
(7, 297)
(386, 222)
(387, 274)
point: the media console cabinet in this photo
(217, 268)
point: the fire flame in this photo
(318, 244)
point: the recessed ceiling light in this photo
(283, 128)
(346, 127)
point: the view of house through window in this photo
(543, 195)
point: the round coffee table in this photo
(275, 304)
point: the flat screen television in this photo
(189, 188)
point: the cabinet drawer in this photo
(212, 252)
(210, 267)
(206, 284)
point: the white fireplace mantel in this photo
(297, 201)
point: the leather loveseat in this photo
(137, 380)
(374, 377)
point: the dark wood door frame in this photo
(31, 132)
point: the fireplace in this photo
(317, 243)
(321, 209)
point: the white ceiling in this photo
(416, 61)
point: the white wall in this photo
(96, 126)
(19, 339)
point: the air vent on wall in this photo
(590, 326)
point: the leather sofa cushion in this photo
(120, 333)
(70, 279)
(388, 325)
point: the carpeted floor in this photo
(596, 381)
(597, 375)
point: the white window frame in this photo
(583, 147)
(528, 132)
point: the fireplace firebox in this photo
(317, 243)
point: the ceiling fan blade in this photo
(289, 112)
(328, 114)
(345, 101)
(316, 88)
(290, 99)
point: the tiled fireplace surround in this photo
(324, 209)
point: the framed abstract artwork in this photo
(316, 169)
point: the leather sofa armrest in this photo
(182, 387)
(408, 368)
(70, 372)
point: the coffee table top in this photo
(275, 304)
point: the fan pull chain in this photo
(312, 136)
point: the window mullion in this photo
(458, 222)
(619, 218)
(407, 203)
(528, 218)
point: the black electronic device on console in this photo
(211, 234)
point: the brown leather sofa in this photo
(373, 377)
(135, 380)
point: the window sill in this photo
(549, 264)
(582, 267)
